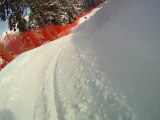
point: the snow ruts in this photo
(48, 92)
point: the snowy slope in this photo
(108, 69)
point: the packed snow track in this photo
(107, 69)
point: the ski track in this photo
(56, 93)
(42, 105)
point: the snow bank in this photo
(107, 69)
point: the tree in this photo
(13, 10)
(43, 12)
(59, 12)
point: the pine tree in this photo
(13, 10)
(59, 12)
(43, 12)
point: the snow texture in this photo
(107, 69)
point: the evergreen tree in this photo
(13, 10)
(59, 12)
(43, 12)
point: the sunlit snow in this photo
(107, 69)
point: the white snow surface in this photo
(107, 69)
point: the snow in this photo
(107, 69)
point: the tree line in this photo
(42, 12)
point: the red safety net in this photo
(18, 43)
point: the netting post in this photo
(33, 39)
(12, 44)
(5, 53)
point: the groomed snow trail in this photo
(108, 69)
(64, 84)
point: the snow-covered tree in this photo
(43, 12)
(13, 10)
(57, 12)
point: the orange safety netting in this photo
(20, 42)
